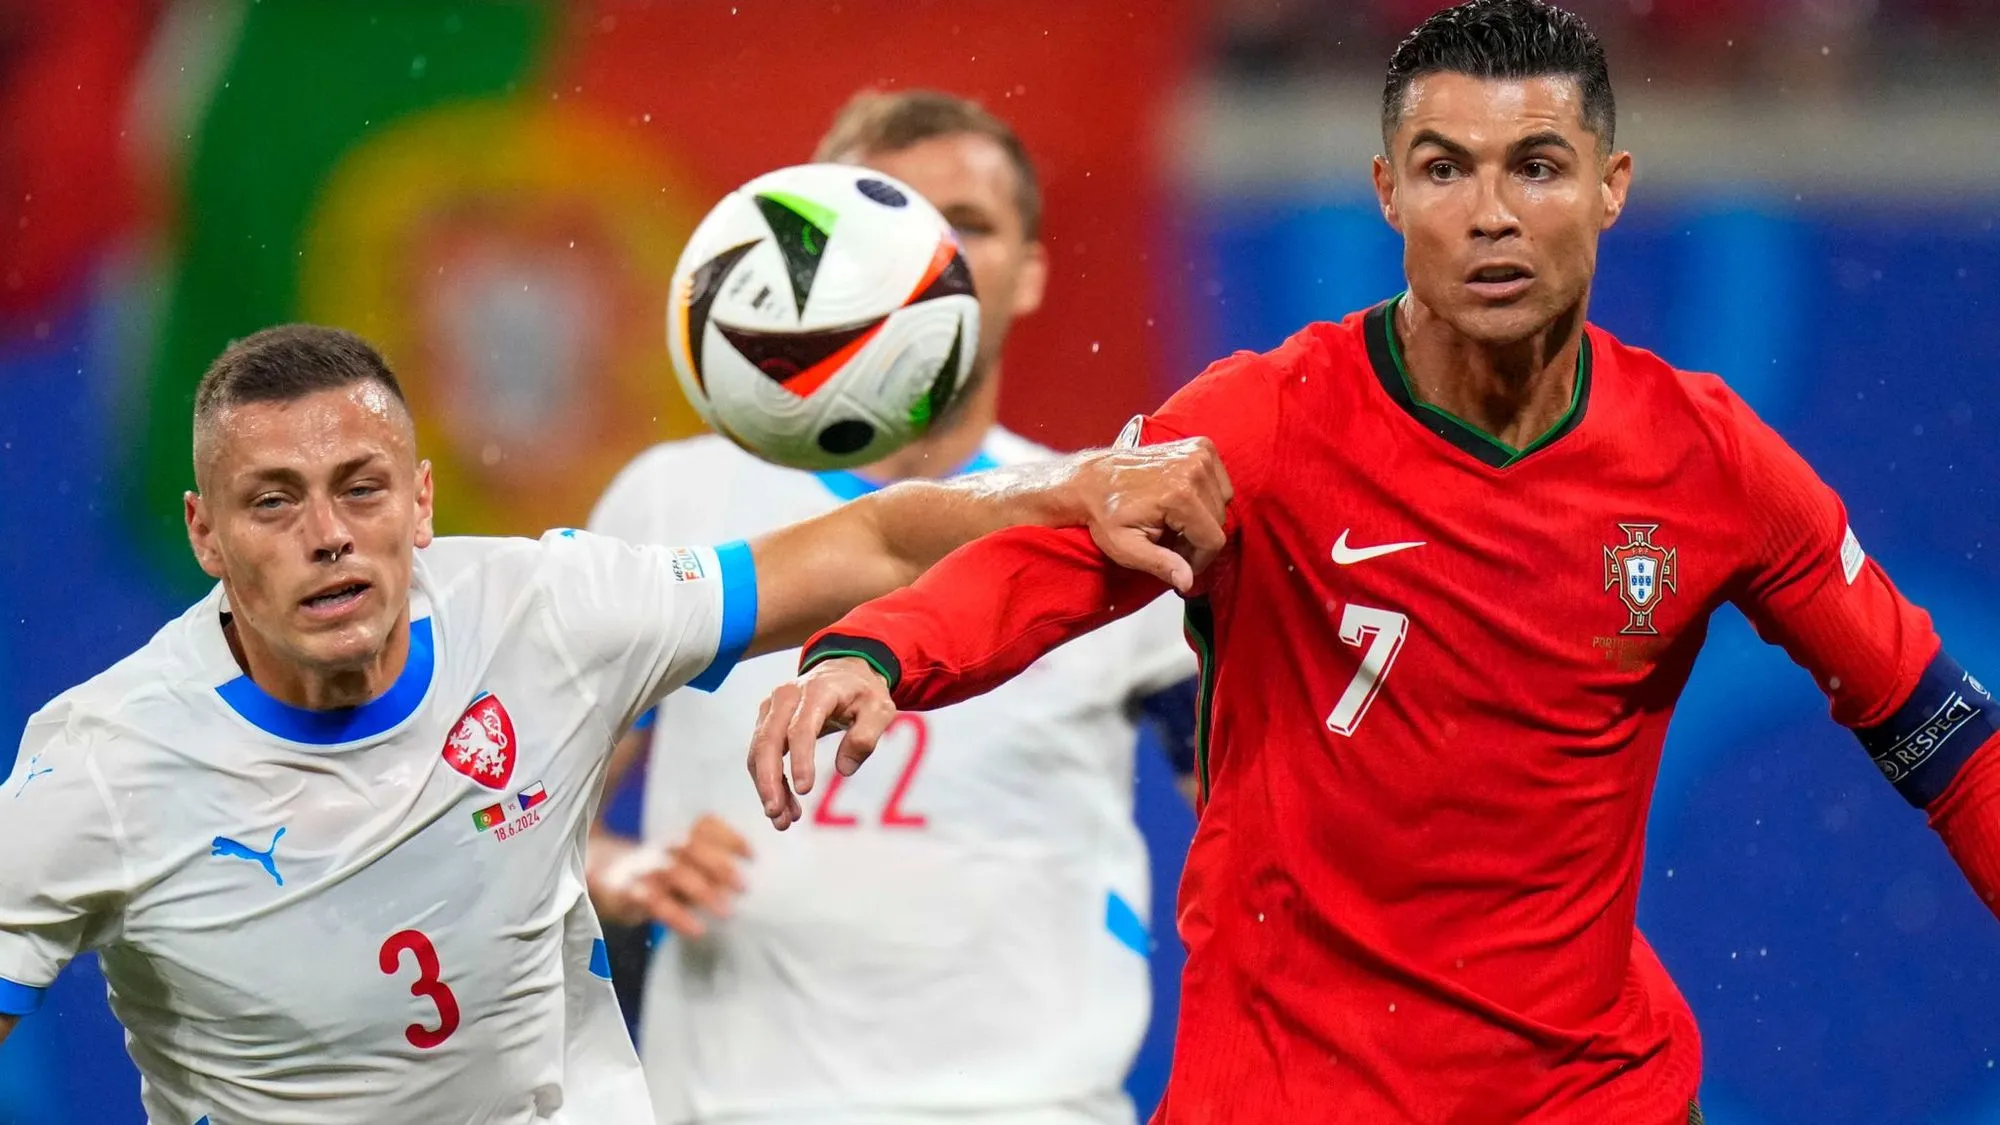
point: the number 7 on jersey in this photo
(1382, 631)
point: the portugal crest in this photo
(1642, 572)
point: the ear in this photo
(1032, 281)
(201, 534)
(425, 495)
(1617, 183)
(1385, 192)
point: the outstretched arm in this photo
(1930, 727)
(1143, 507)
(970, 624)
(993, 608)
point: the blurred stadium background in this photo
(495, 192)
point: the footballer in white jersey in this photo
(326, 829)
(957, 933)
(379, 910)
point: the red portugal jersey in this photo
(1437, 675)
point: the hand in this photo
(1157, 508)
(676, 887)
(840, 694)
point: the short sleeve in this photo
(1809, 586)
(64, 882)
(642, 620)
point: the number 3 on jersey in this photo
(1382, 632)
(894, 815)
(427, 986)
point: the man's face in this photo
(310, 512)
(970, 180)
(1500, 193)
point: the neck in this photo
(319, 689)
(1516, 392)
(947, 447)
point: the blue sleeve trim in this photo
(646, 721)
(739, 613)
(1171, 712)
(19, 999)
(1126, 925)
(600, 960)
(1947, 718)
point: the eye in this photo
(1538, 170)
(269, 502)
(362, 491)
(1441, 171)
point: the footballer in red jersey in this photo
(1473, 550)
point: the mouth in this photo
(1500, 281)
(334, 600)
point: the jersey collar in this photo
(1385, 355)
(348, 724)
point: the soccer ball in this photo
(822, 316)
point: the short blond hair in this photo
(878, 121)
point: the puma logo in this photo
(266, 859)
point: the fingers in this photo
(768, 744)
(700, 878)
(872, 715)
(833, 696)
(1199, 524)
(1163, 509)
(714, 833)
(671, 914)
(1134, 549)
(809, 720)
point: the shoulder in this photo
(1325, 358)
(146, 693)
(673, 482)
(667, 460)
(1657, 395)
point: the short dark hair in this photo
(874, 121)
(1504, 39)
(290, 362)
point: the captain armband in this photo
(1948, 717)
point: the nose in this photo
(1493, 215)
(327, 535)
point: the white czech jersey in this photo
(372, 916)
(959, 930)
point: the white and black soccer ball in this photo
(822, 316)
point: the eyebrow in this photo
(1547, 138)
(963, 212)
(1439, 140)
(293, 477)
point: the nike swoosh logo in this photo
(1344, 555)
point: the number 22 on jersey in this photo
(1379, 633)
(906, 727)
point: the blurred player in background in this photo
(1474, 551)
(960, 935)
(327, 827)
